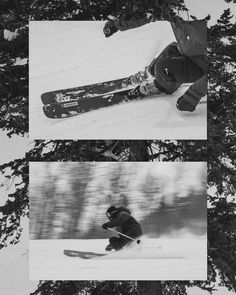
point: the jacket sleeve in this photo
(190, 99)
(120, 220)
(199, 88)
(123, 25)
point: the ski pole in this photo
(116, 231)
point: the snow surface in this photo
(70, 54)
(155, 259)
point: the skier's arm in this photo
(121, 219)
(117, 24)
(190, 99)
(123, 25)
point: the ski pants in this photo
(119, 242)
(171, 69)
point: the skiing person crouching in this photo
(184, 61)
(126, 224)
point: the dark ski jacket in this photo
(125, 223)
(191, 37)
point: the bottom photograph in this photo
(118, 221)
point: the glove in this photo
(184, 105)
(109, 28)
(104, 226)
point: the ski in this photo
(85, 104)
(83, 254)
(82, 91)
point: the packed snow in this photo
(156, 259)
(70, 54)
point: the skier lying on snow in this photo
(181, 62)
(123, 221)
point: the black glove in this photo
(109, 28)
(104, 226)
(184, 105)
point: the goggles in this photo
(109, 215)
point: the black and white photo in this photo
(118, 221)
(153, 63)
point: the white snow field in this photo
(156, 259)
(70, 54)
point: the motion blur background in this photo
(69, 200)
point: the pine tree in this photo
(14, 68)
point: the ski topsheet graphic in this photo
(72, 108)
(70, 102)
(82, 91)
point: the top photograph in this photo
(112, 79)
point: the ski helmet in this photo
(112, 212)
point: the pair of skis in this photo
(69, 102)
(65, 103)
(91, 255)
(83, 254)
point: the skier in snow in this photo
(184, 61)
(126, 224)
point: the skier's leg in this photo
(115, 243)
(170, 72)
(137, 78)
(149, 88)
(170, 50)
(142, 76)
(163, 82)
(118, 243)
(181, 68)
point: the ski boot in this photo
(137, 78)
(146, 89)
(109, 247)
(150, 88)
